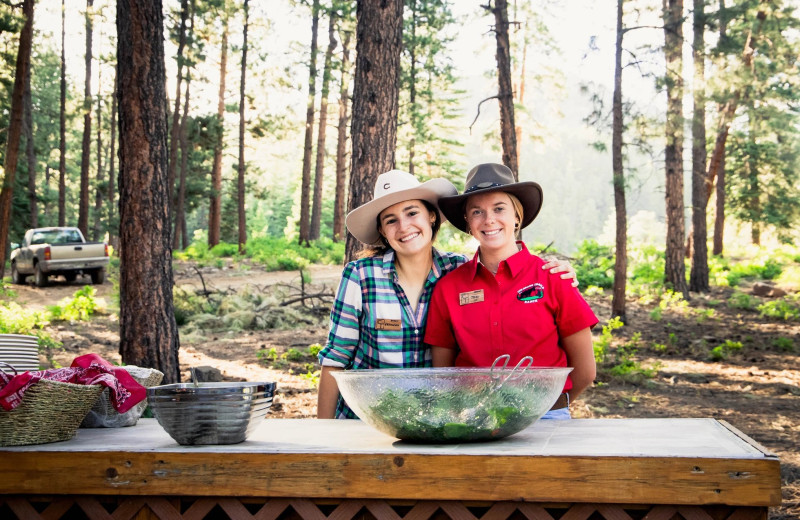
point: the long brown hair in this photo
(380, 249)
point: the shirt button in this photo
(416, 331)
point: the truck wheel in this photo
(39, 278)
(98, 276)
(16, 277)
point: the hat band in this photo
(483, 186)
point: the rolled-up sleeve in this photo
(343, 336)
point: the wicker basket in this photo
(103, 414)
(50, 411)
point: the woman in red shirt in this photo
(502, 302)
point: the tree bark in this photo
(621, 252)
(98, 194)
(675, 268)
(341, 143)
(15, 127)
(241, 170)
(30, 152)
(316, 208)
(148, 332)
(698, 275)
(62, 143)
(305, 188)
(112, 235)
(83, 198)
(215, 202)
(505, 94)
(174, 138)
(379, 39)
(412, 84)
(719, 216)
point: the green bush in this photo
(721, 352)
(602, 344)
(79, 308)
(784, 344)
(740, 300)
(786, 309)
(594, 264)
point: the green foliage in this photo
(646, 268)
(784, 344)
(723, 351)
(625, 366)
(15, 319)
(740, 300)
(669, 300)
(786, 308)
(275, 254)
(594, 264)
(603, 343)
(78, 308)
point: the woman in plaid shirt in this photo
(379, 315)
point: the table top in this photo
(689, 461)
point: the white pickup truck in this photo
(57, 251)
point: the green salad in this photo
(455, 415)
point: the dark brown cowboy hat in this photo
(486, 178)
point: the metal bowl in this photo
(449, 405)
(210, 413)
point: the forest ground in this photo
(756, 389)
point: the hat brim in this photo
(362, 222)
(529, 194)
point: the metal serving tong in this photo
(524, 363)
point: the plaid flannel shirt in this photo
(368, 294)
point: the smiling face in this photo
(407, 226)
(491, 219)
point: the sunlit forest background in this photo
(563, 74)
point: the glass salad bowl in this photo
(451, 405)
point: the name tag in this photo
(382, 324)
(466, 298)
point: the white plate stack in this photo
(19, 351)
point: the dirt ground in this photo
(755, 389)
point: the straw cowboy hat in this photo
(392, 187)
(487, 178)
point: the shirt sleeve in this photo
(439, 328)
(574, 313)
(344, 333)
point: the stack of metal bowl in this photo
(210, 413)
(20, 351)
(451, 405)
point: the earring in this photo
(516, 226)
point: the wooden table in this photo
(313, 469)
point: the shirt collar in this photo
(515, 262)
(437, 266)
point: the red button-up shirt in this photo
(523, 310)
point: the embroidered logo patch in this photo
(531, 293)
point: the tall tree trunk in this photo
(148, 331)
(215, 201)
(675, 268)
(62, 132)
(179, 238)
(112, 229)
(412, 85)
(519, 97)
(719, 215)
(174, 138)
(379, 40)
(316, 208)
(30, 153)
(98, 194)
(240, 176)
(727, 110)
(15, 127)
(505, 93)
(83, 199)
(698, 276)
(621, 254)
(305, 187)
(341, 143)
